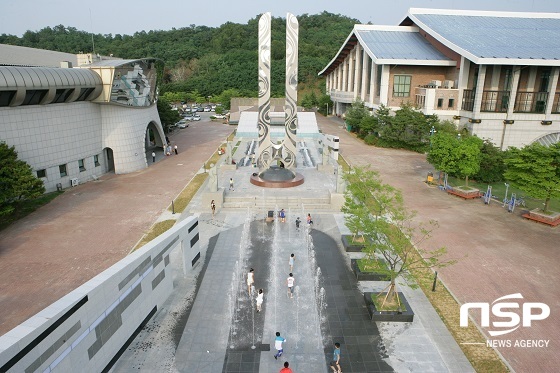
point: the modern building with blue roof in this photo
(494, 73)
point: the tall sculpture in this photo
(269, 151)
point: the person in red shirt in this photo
(286, 368)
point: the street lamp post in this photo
(505, 198)
(432, 132)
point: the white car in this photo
(219, 116)
(183, 125)
(196, 117)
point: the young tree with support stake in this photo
(393, 234)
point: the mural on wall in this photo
(134, 84)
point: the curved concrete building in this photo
(72, 125)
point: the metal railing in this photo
(530, 102)
(495, 101)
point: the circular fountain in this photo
(277, 177)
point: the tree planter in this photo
(552, 218)
(469, 193)
(352, 246)
(390, 316)
(367, 276)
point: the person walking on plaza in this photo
(231, 184)
(291, 262)
(213, 208)
(260, 298)
(309, 220)
(278, 341)
(297, 223)
(291, 281)
(250, 279)
(286, 368)
(282, 216)
(153, 157)
(175, 149)
(335, 363)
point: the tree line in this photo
(209, 60)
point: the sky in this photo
(128, 17)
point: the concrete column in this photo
(339, 77)
(479, 90)
(344, 86)
(551, 91)
(357, 71)
(350, 80)
(532, 79)
(495, 84)
(384, 91)
(514, 85)
(463, 81)
(372, 80)
(363, 92)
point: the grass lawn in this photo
(390, 304)
(156, 230)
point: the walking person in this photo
(335, 363)
(175, 149)
(309, 220)
(282, 216)
(291, 262)
(298, 222)
(291, 281)
(286, 368)
(231, 184)
(260, 298)
(250, 279)
(278, 341)
(213, 208)
(153, 157)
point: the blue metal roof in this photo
(399, 45)
(498, 37)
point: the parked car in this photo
(183, 125)
(196, 117)
(219, 116)
(200, 108)
(189, 117)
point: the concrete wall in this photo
(47, 136)
(85, 330)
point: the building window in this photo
(62, 169)
(96, 160)
(62, 95)
(440, 103)
(81, 165)
(6, 97)
(41, 173)
(545, 78)
(401, 85)
(34, 97)
(451, 103)
(84, 94)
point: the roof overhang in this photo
(411, 17)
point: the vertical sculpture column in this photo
(284, 150)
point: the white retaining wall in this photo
(86, 330)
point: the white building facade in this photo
(72, 125)
(494, 73)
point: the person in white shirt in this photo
(291, 281)
(260, 298)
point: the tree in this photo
(492, 166)
(355, 114)
(468, 157)
(458, 157)
(167, 116)
(17, 181)
(535, 169)
(391, 228)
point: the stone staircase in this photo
(283, 202)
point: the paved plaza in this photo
(209, 324)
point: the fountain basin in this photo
(277, 177)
